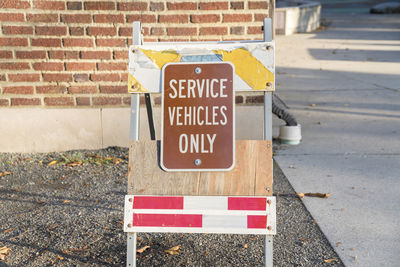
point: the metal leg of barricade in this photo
(134, 135)
(268, 254)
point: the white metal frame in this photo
(134, 135)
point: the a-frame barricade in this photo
(198, 178)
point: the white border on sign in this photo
(162, 118)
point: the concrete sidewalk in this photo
(343, 85)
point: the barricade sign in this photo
(197, 117)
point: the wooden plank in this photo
(251, 176)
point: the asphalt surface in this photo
(60, 215)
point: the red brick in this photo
(214, 6)
(92, 89)
(15, 4)
(63, 54)
(125, 31)
(83, 101)
(141, 17)
(51, 30)
(173, 18)
(167, 39)
(12, 17)
(4, 102)
(206, 18)
(109, 18)
(105, 77)
(14, 66)
(96, 54)
(132, 6)
(237, 5)
(254, 30)
(112, 66)
(24, 77)
(30, 54)
(126, 100)
(17, 30)
(57, 77)
(80, 42)
(182, 6)
(111, 42)
(237, 30)
(76, 18)
(255, 99)
(213, 30)
(149, 40)
(120, 89)
(22, 90)
(6, 54)
(51, 89)
(104, 101)
(42, 17)
(25, 101)
(100, 5)
(185, 31)
(50, 66)
(157, 6)
(74, 5)
(237, 18)
(49, 5)
(258, 4)
(81, 77)
(80, 66)
(3, 78)
(47, 42)
(157, 31)
(76, 31)
(59, 101)
(260, 17)
(124, 77)
(13, 42)
(97, 31)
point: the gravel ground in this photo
(66, 214)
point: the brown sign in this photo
(197, 117)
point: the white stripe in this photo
(220, 221)
(220, 230)
(205, 203)
(205, 212)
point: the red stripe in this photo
(247, 203)
(147, 202)
(257, 221)
(168, 220)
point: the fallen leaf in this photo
(173, 250)
(338, 244)
(246, 246)
(7, 230)
(206, 253)
(331, 260)
(142, 249)
(314, 221)
(117, 161)
(67, 201)
(28, 159)
(60, 258)
(313, 105)
(320, 195)
(74, 163)
(355, 258)
(4, 251)
(52, 163)
(41, 161)
(300, 195)
(305, 239)
(5, 173)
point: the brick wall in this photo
(75, 53)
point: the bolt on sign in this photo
(197, 132)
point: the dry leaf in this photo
(246, 246)
(67, 201)
(320, 195)
(355, 258)
(3, 252)
(313, 105)
(206, 253)
(305, 239)
(74, 163)
(331, 260)
(338, 243)
(52, 163)
(142, 249)
(60, 258)
(5, 173)
(300, 195)
(117, 161)
(7, 230)
(173, 250)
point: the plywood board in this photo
(251, 176)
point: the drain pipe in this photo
(291, 132)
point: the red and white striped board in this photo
(200, 214)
